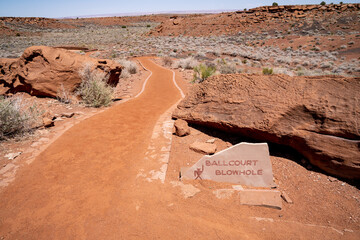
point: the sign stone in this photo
(245, 163)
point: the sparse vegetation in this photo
(63, 95)
(226, 68)
(129, 67)
(275, 4)
(187, 63)
(168, 61)
(267, 71)
(323, 3)
(16, 116)
(94, 90)
(202, 72)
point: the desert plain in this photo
(172, 89)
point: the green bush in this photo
(94, 90)
(267, 71)
(323, 3)
(123, 26)
(275, 4)
(202, 72)
(16, 116)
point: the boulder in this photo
(181, 128)
(41, 70)
(317, 116)
(206, 148)
(47, 122)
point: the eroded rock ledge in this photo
(41, 70)
(317, 116)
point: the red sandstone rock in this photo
(317, 116)
(265, 198)
(181, 128)
(200, 147)
(41, 70)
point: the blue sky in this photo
(65, 8)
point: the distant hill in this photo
(151, 13)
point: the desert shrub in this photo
(200, 55)
(167, 61)
(267, 71)
(202, 72)
(123, 26)
(227, 68)
(275, 4)
(325, 64)
(125, 74)
(129, 67)
(283, 71)
(187, 63)
(63, 95)
(16, 116)
(94, 90)
(323, 3)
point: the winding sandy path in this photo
(83, 180)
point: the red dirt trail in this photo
(84, 186)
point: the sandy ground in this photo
(102, 179)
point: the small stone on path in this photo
(286, 197)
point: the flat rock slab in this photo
(187, 190)
(265, 198)
(206, 148)
(245, 163)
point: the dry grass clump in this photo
(16, 116)
(63, 95)
(226, 68)
(94, 90)
(187, 63)
(168, 61)
(129, 68)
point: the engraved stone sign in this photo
(245, 163)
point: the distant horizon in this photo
(107, 8)
(131, 14)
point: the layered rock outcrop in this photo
(41, 70)
(317, 116)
